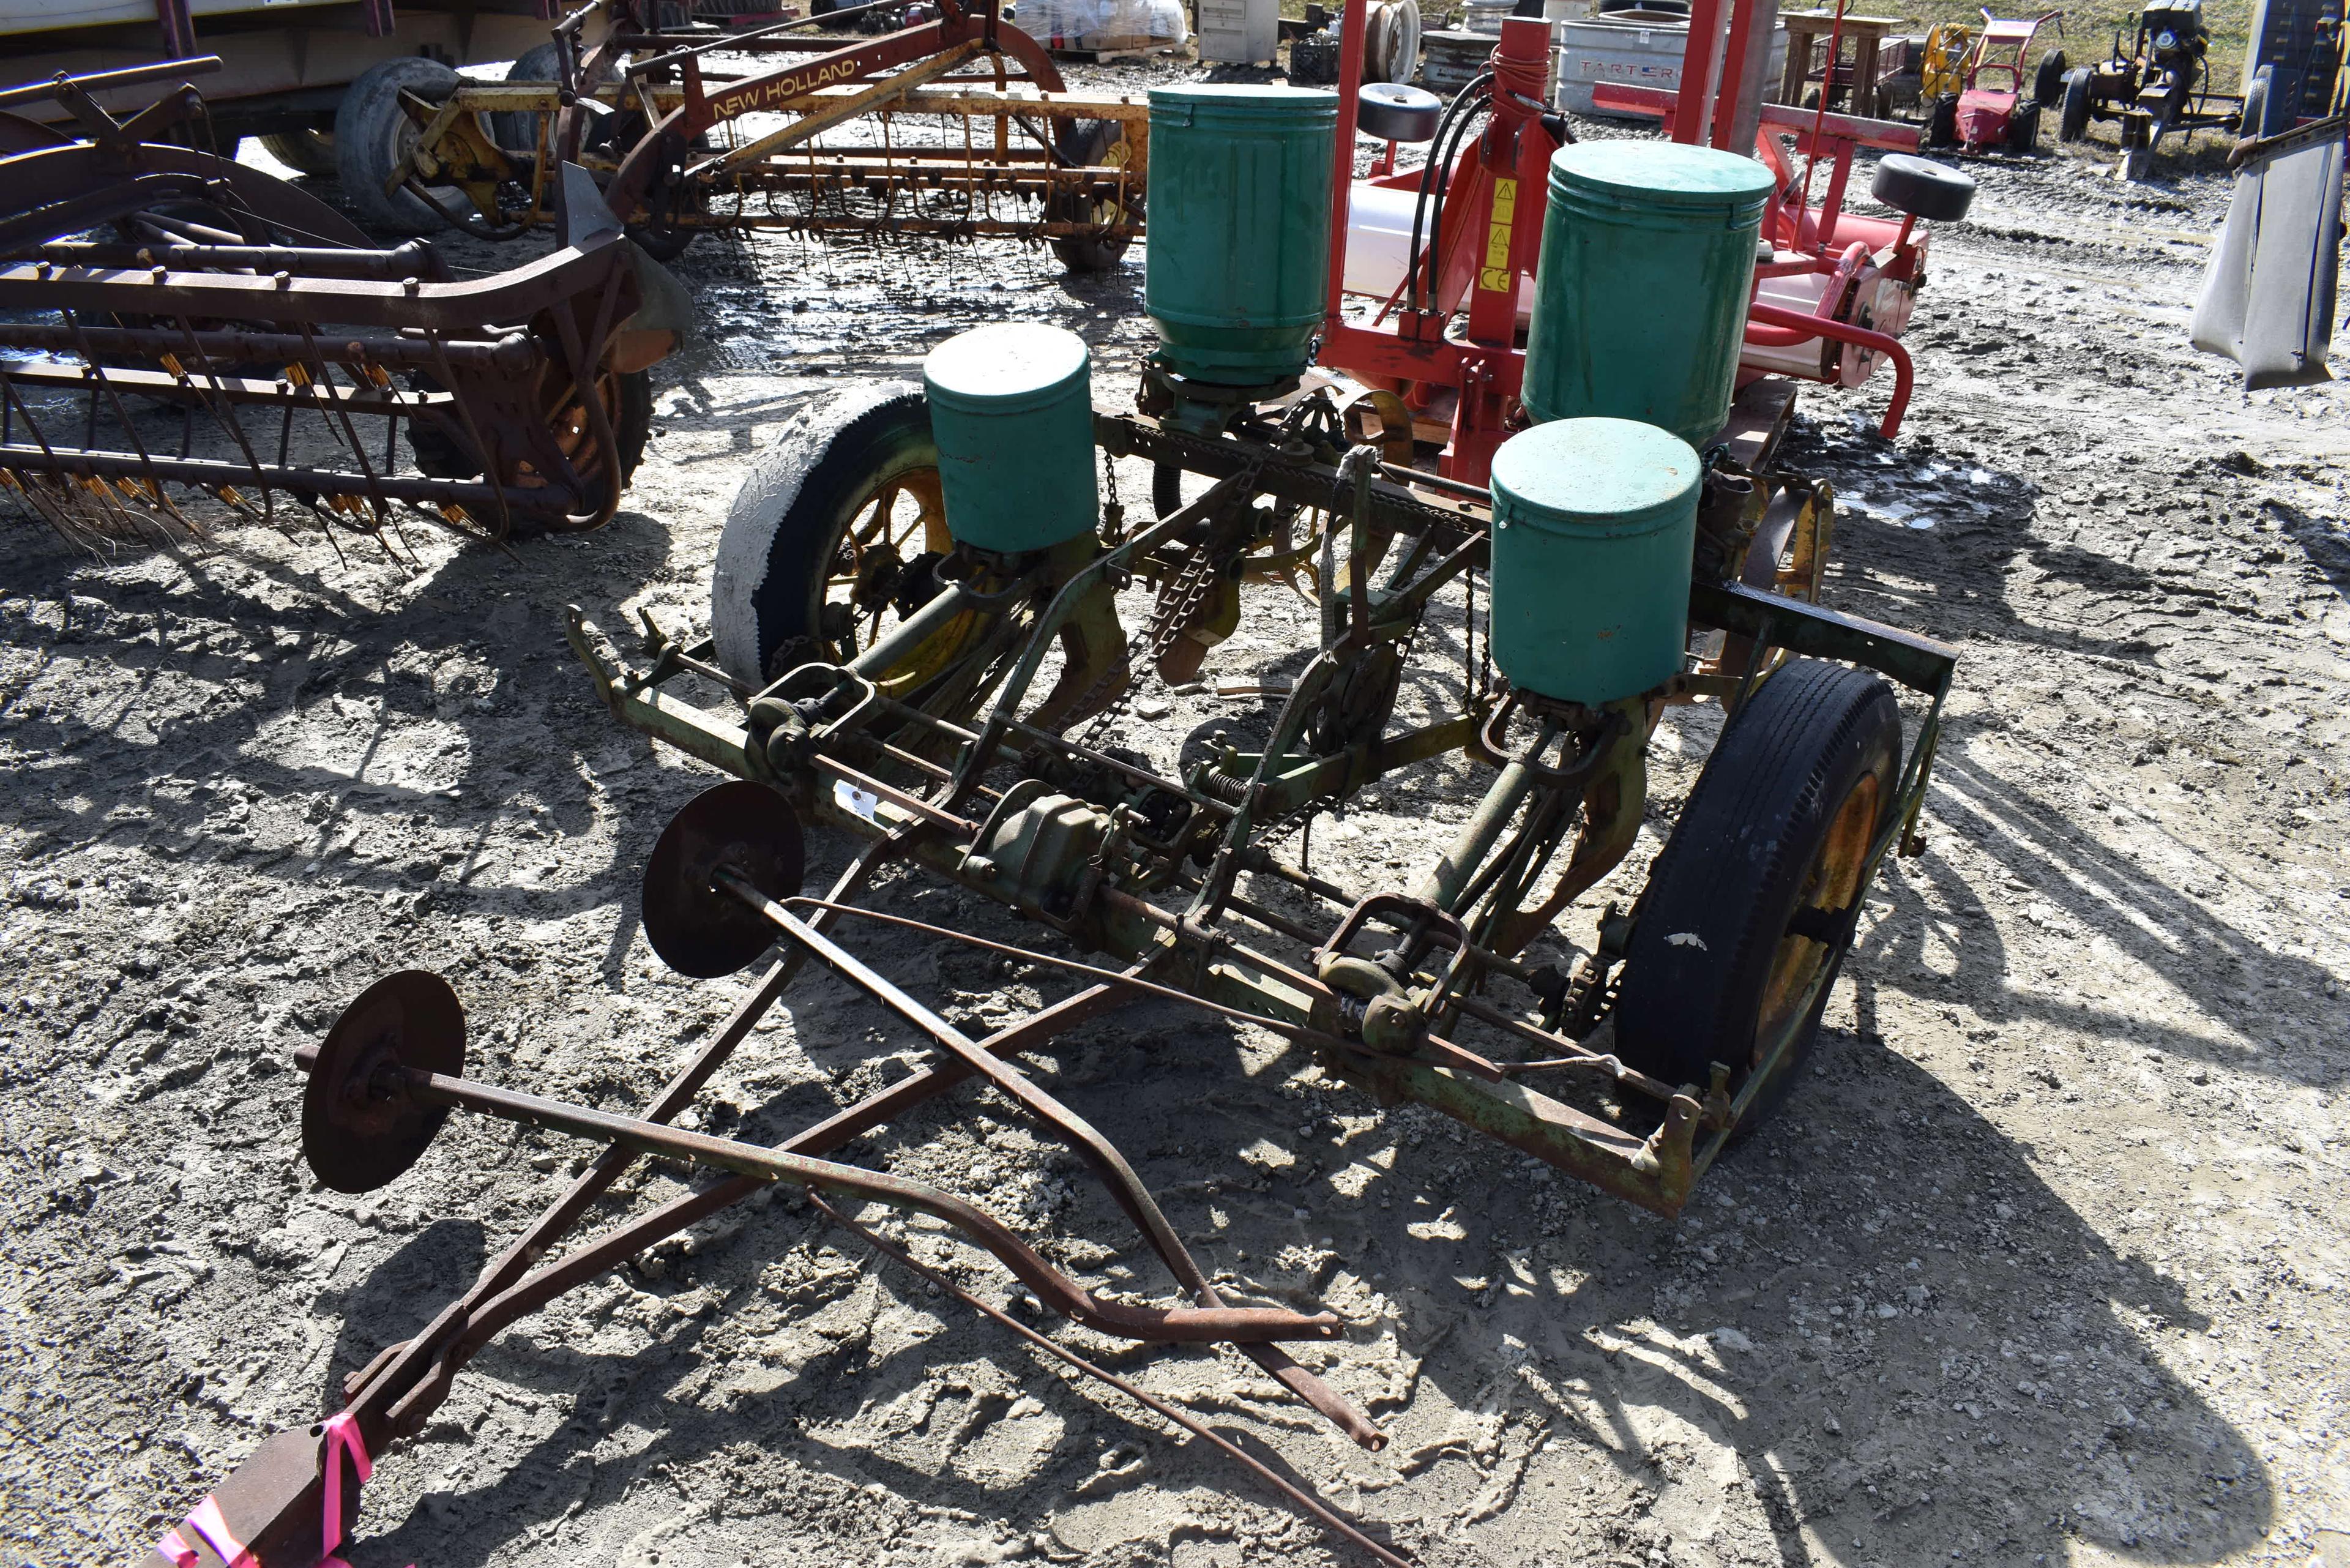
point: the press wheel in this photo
(360, 1127)
(1752, 902)
(698, 928)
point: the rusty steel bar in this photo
(102, 81)
(617, 1246)
(414, 305)
(204, 473)
(397, 1380)
(414, 259)
(1169, 1325)
(1102, 1156)
(377, 401)
(1320, 1511)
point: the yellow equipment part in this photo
(1948, 45)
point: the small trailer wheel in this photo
(829, 534)
(1934, 191)
(1752, 904)
(2072, 119)
(2048, 82)
(373, 136)
(1091, 144)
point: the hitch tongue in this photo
(271, 1510)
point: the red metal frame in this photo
(1985, 113)
(1488, 236)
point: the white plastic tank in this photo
(1378, 242)
(1635, 49)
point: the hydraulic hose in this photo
(1434, 174)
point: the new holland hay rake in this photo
(177, 323)
(819, 143)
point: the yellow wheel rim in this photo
(1831, 885)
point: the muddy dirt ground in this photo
(2044, 1263)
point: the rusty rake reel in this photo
(182, 325)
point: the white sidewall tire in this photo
(782, 527)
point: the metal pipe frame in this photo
(794, 161)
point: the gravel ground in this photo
(2038, 1267)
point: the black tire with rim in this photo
(1751, 905)
(1091, 144)
(2072, 119)
(2048, 81)
(2023, 130)
(373, 137)
(832, 535)
(307, 152)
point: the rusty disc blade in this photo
(360, 1127)
(698, 928)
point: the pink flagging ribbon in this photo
(207, 1524)
(343, 1437)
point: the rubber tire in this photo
(1934, 191)
(1731, 874)
(1085, 143)
(1401, 44)
(440, 456)
(516, 131)
(2048, 81)
(308, 152)
(2256, 103)
(2023, 130)
(778, 546)
(369, 130)
(1942, 123)
(2073, 118)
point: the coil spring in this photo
(1224, 787)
